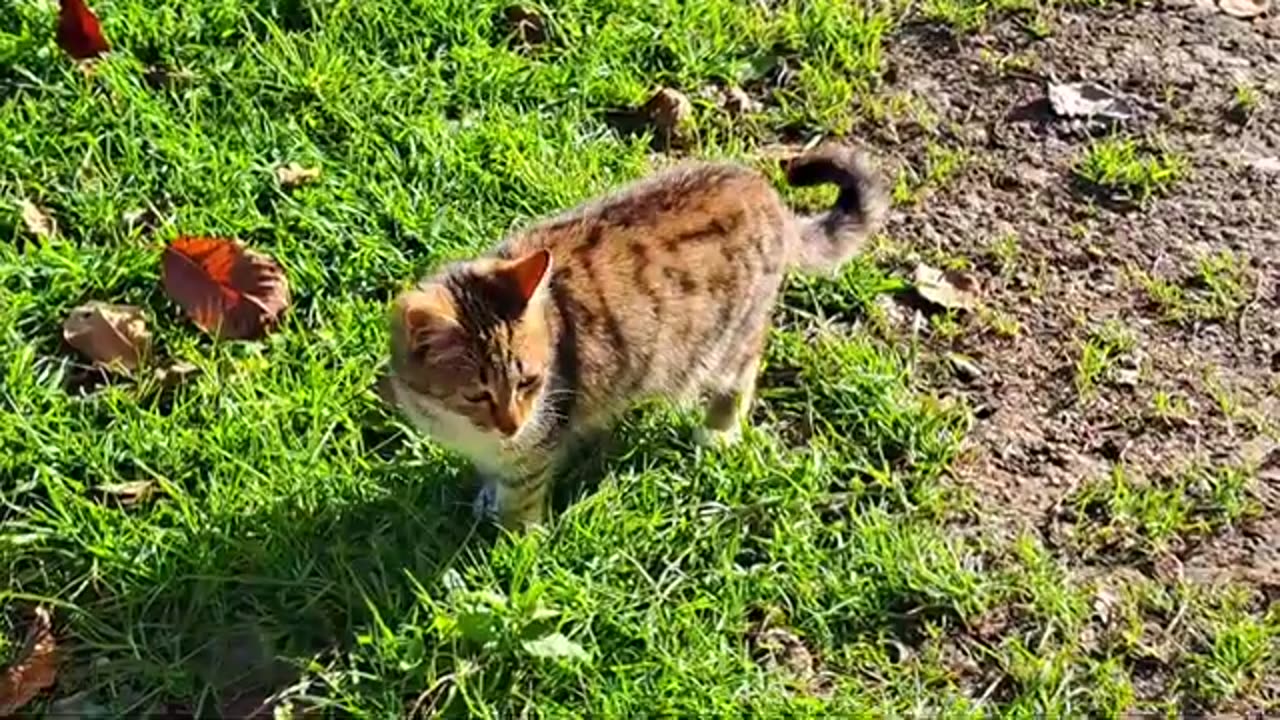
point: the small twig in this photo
(431, 692)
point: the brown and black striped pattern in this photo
(663, 289)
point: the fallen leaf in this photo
(1089, 100)
(1168, 567)
(555, 646)
(526, 25)
(951, 289)
(1105, 601)
(35, 669)
(161, 76)
(1244, 9)
(109, 335)
(778, 650)
(294, 175)
(79, 34)
(669, 111)
(38, 220)
(229, 291)
(736, 101)
(176, 373)
(964, 367)
(128, 493)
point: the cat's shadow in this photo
(298, 579)
(307, 579)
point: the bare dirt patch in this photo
(1119, 332)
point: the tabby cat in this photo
(663, 289)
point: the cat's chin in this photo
(448, 428)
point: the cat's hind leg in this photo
(729, 403)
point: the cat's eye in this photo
(527, 383)
(484, 396)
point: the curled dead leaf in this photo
(1089, 100)
(229, 291)
(175, 374)
(294, 175)
(38, 220)
(781, 651)
(114, 336)
(127, 493)
(670, 112)
(736, 101)
(162, 76)
(1244, 9)
(79, 34)
(36, 667)
(950, 289)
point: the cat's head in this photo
(472, 346)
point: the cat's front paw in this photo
(485, 505)
(712, 438)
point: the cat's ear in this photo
(529, 273)
(424, 314)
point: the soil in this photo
(1036, 439)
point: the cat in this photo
(664, 289)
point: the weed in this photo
(1149, 515)
(1245, 101)
(1224, 276)
(946, 326)
(941, 164)
(1236, 650)
(1001, 323)
(1120, 167)
(1099, 353)
(1170, 408)
(1006, 250)
(1217, 291)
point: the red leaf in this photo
(79, 34)
(32, 671)
(230, 292)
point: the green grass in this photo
(1149, 516)
(300, 539)
(1100, 351)
(1216, 290)
(1124, 168)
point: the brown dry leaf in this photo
(779, 650)
(229, 291)
(669, 111)
(38, 220)
(128, 493)
(294, 175)
(175, 374)
(1244, 9)
(35, 669)
(737, 102)
(950, 289)
(110, 335)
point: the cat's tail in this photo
(828, 240)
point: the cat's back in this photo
(655, 278)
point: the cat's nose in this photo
(506, 421)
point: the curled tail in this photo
(828, 240)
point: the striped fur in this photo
(664, 289)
